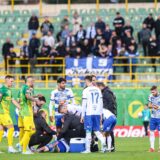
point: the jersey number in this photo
(95, 97)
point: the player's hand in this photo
(51, 118)
(155, 107)
(19, 107)
(82, 120)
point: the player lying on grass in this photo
(109, 122)
(59, 146)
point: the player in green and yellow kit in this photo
(5, 118)
(25, 120)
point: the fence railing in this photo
(132, 72)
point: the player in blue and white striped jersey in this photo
(61, 94)
(154, 104)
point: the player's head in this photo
(154, 90)
(88, 80)
(146, 106)
(62, 109)
(30, 81)
(94, 80)
(9, 80)
(101, 85)
(41, 101)
(61, 83)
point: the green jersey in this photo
(5, 101)
(26, 105)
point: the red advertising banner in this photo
(130, 131)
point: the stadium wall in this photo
(130, 103)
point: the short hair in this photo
(153, 88)
(42, 98)
(61, 79)
(117, 13)
(28, 77)
(9, 77)
(89, 78)
(41, 112)
(100, 84)
(93, 75)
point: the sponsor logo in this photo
(130, 131)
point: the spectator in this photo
(65, 33)
(61, 49)
(70, 40)
(46, 26)
(114, 38)
(149, 21)
(145, 35)
(153, 49)
(86, 48)
(128, 28)
(24, 55)
(79, 53)
(91, 33)
(107, 34)
(10, 56)
(127, 39)
(34, 45)
(76, 21)
(45, 51)
(49, 39)
(157, 28)
(33, 25)
(119, 49)
(119, 24)
(132, 53)
(64, 22)
(43, 134)
(5, 50)
(104, 50)
(100, 25)
(97, 40)
(80, 36)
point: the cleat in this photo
(86, 152)
(27, 152)
(12, 150)
(151, 150)
(19, 147)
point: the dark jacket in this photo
(109, 100)
(5, 49)
(150, 22)
(42, 126)
(33, 23)
(71, 122)
(100, 25)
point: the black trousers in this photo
(80, 132)
(40, 140)
(146, 124)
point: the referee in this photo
(109, 102)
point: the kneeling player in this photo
(56, 146)
(108, 126)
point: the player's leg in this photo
(27, 121)
(1, 134)
(88, 129)
(152, 135)
(108, 126)
(99, 135)
(21, 127)
(159, 133)
(7, 122)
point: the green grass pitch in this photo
(126, 149)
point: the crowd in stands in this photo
(98, 39)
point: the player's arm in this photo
(84, 105)
(51, 103)
(16, 104)
(152, 106)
